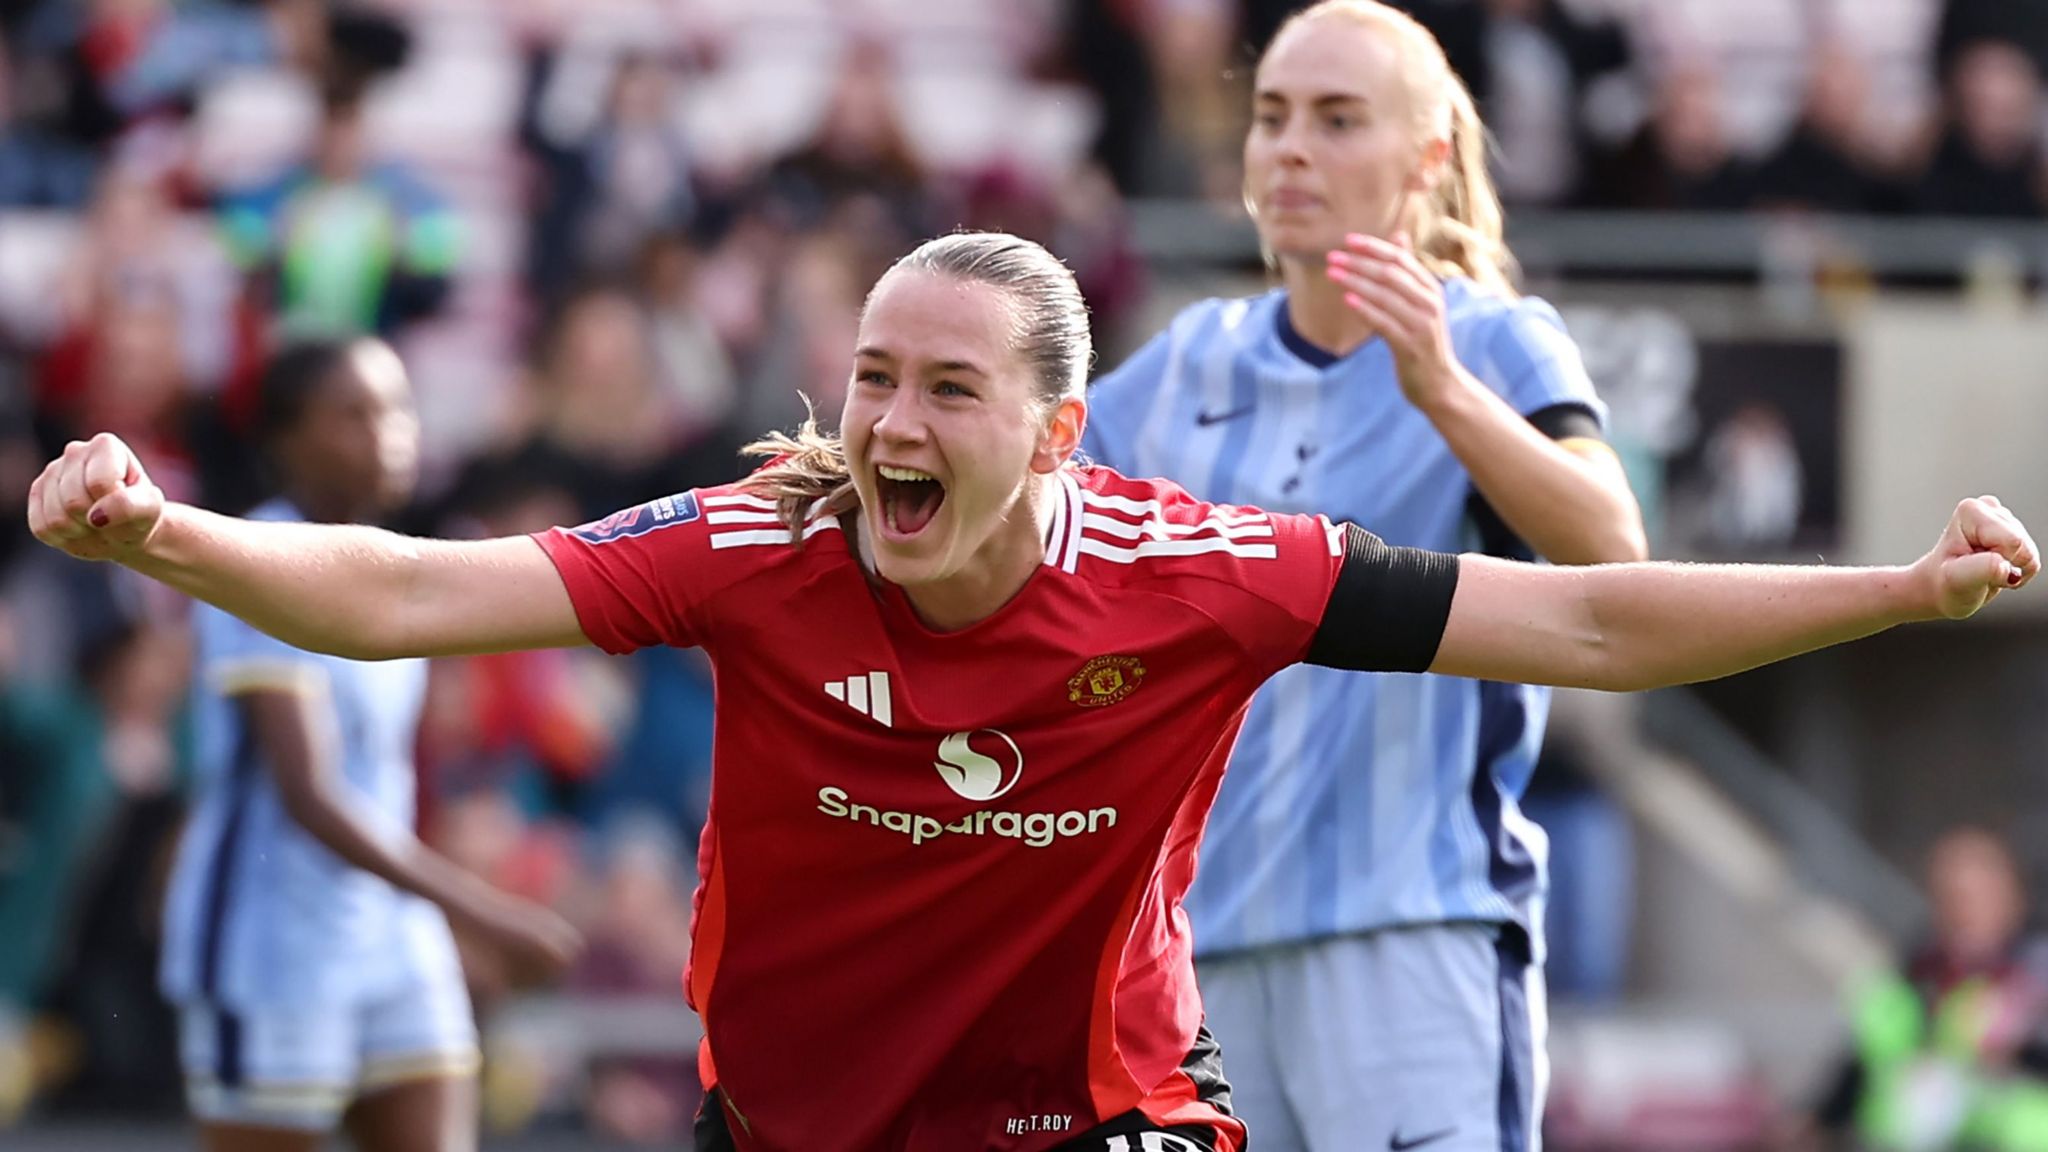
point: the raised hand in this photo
(1389, 288)
(95, 501)
(1983, 551)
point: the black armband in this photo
(1568, 420)
(1388, 609)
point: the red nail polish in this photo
(98, 518)
(2012, 576)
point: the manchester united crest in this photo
(1105, 680)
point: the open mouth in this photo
(910, 499)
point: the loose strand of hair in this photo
(804, 467)
(1465, 234)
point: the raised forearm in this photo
(1664, 624)
(1570, 509)
(1625, 627)
(333, 588)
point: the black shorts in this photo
(1130, 1132)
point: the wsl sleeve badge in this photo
(640, 519)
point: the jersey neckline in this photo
(1062, 551)
(1320, 358)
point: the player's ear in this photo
(1062, 435)
(1431, 165)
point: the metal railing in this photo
(1821, 847)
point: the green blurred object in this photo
(1926, 1087)
(50, 739)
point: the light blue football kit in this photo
(1368, 911)
(300, 981)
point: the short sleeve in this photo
(1285, 598)
(1538, 364)
(1118, 401)
(640, 577)
(1263, 578)
(234, 657)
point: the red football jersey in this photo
(939, 898)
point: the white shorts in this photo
(1427, 1039)
(301, 1067)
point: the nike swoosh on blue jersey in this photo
(1204, 418)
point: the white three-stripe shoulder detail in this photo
(738, 500)
(1133, 553)
(1123, 531)
(741, 538)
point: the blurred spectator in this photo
(1951, 1051)
(126, 61)
(1831, 162)
(1755, 51)
(1964, 23)
(599, 407)
(38, 169)
(639, 941)
(484, 830)
(786, 301)
(21, 458)
(1540, 56)
(691, 357)
(618, 174)
(1082, 220)
(539, 724)
(343, 243)
(1103, 45)
(1988, 160)
(860, 147)
(148, 321)
(1188, 43)
(125, 809)
(49, 788)
(123, 374)
(1683, 158)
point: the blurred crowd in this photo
(613, 239)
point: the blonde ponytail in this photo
(1463, 230)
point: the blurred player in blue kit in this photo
(307, 944)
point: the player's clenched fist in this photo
(95, 501)
(1984, 550)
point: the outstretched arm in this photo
(1626, 627)
(343, 589)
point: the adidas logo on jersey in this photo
(867, 695)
